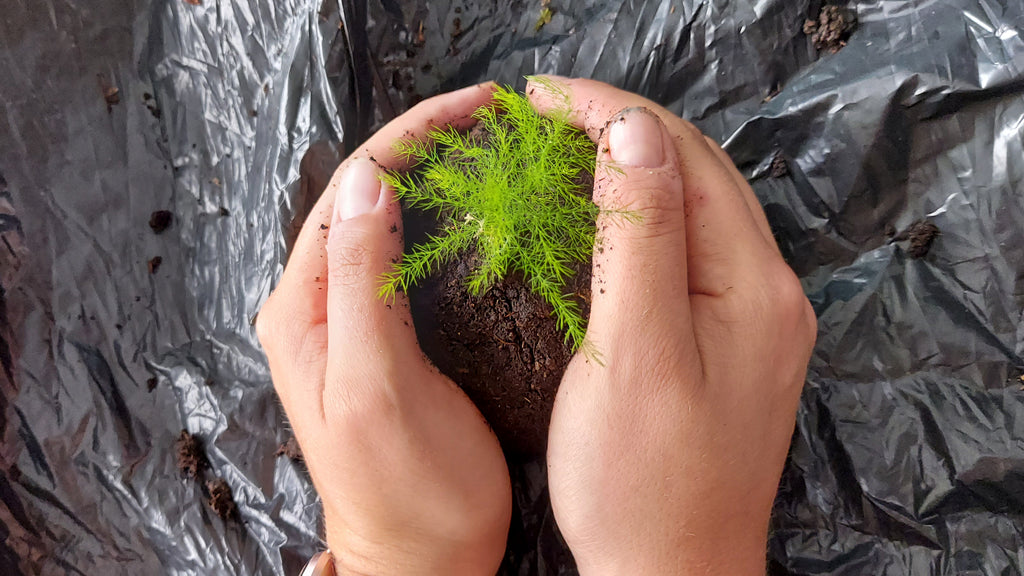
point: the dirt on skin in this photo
(832, 28)
(191, 454)
(221, 499)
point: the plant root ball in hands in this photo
(512, 195)
(412, 479)
(664, 458)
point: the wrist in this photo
(742, 555)
(414, 554)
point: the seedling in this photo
(515, 191)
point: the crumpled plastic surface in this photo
(908, 456)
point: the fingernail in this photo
(635, 139)
(358, 191)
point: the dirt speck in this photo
(191, 454)
(111, 93)
(113, 97)
(291, 449)
(779, 167)
(420, 38)
(221, 499)
(832, 28)
(160, 221)
(151, 384)
(921, 235)
(154, 264)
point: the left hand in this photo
(412, 479)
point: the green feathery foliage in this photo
(513, 196)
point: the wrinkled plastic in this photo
(908, 457)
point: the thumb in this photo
(639, 277)
(364, 331)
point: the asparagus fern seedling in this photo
(514, 196)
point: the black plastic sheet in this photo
(909, 452)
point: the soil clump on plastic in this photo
(160, 221)
(922, 235)
(222, 500)
(832, 28)
(191, 455)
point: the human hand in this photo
(665, 452)
(411, 477)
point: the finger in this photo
(639, 264)
(365, 332)
(723, 240)
(748, 193)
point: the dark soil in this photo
(221, 499)
(151, 384)
(779, 167)
(191, 454)
(503, 349)
(154, 264)
(921, 235)
(160, 220)
(832, 28)
(290, 449)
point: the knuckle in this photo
(359, 406)
(786, 296)
(351, 259)
(657, 210)
(659, 220)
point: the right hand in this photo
(667, 443)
